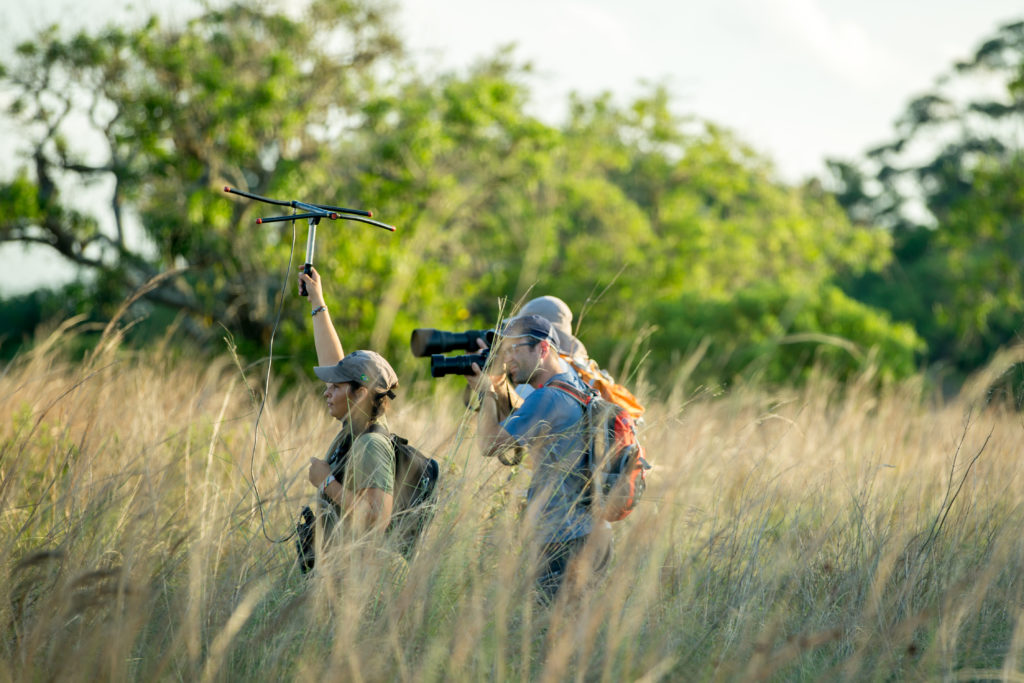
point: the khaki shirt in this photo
(371, 462)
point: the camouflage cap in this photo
(368, 368)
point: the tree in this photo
(947, 189)
(164, 118)
(631, 214)
(711, 240)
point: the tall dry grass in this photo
(813, 534)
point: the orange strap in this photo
(602, 382)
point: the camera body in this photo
(305, 540)
(435, 343)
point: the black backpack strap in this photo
(377, 428)
(337, 458)
(395, 439)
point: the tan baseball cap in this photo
(368, 368)
(559, 314)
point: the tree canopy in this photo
(947, 188)
(665, 234)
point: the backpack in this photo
(416, 477)
(614, 459)
(601, 382)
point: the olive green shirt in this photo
(371, 464)
(371, 460)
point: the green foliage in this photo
(700, 219)
(623, 211)
(782, 335)
(982, 238)
(948, 190)
(236, 96)
(24, 314)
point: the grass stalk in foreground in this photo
(793, 535)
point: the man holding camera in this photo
(547, 425)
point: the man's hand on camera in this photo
(477, 381)
(481, 383)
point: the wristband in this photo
(475, 400)
(317, 310)
(326, 482)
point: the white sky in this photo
(799, 80)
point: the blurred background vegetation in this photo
(668, 236)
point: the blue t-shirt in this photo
(548, 424)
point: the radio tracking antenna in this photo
(313, 213)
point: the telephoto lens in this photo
(456, 365)
(426, 341)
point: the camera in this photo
(305, 535)
(435, 343)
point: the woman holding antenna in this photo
(355, 479)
